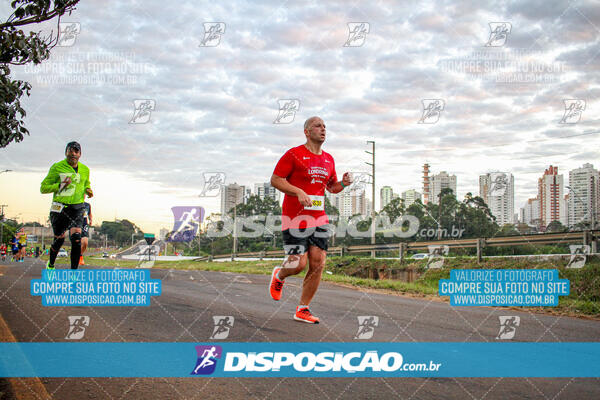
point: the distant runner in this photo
(14, 248)
(3, 251)
(69, 180)
(85, 229)
(21, 244)
(303, 174)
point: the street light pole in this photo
(372, 164)
(234, 230)
(2, 222)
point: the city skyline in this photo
(251, 188)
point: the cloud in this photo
(215, 106)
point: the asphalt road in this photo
(183, 313)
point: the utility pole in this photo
(234, 251)
(2, 222)
(440, 215)
(372, 164)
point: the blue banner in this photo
(228, 359)
(504, 287)
(96, 287)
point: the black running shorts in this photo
(297, 241)
(71, 216)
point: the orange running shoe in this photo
(304, 315)
(276, 284)
(81, 262)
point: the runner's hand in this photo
(347, 179)
(89, 192)
(304, 199)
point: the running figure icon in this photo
(207, 361)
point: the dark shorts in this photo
(20, 246)
(15, 251)
(71, 216)
(297, 241)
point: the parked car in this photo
(419, 256)
(105, 255)
(62, 253)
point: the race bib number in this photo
(317, 203)
(56, 207)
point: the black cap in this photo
(73, 145)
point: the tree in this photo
(119, 231)
(508, 230)
(257, 206)
(394, 209)
(556, 226)
(17, 48)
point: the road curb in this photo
(22, 388)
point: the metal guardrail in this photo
(585, 237)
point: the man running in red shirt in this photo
(303, 174)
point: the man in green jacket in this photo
(69, 180)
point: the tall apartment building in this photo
(350, 203)
(530, 213)
(584, 195)
(439, 182)
(265, 189)
(550, 193)
(497, 189)
(409, 197)
(426, 184)
(386, 195)
(231, 195)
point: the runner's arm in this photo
(335, 187)
(87, 188)
(51, 182)
(283, 185)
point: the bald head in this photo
(314, 130)
(310, 121)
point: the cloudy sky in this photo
(213, 101)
